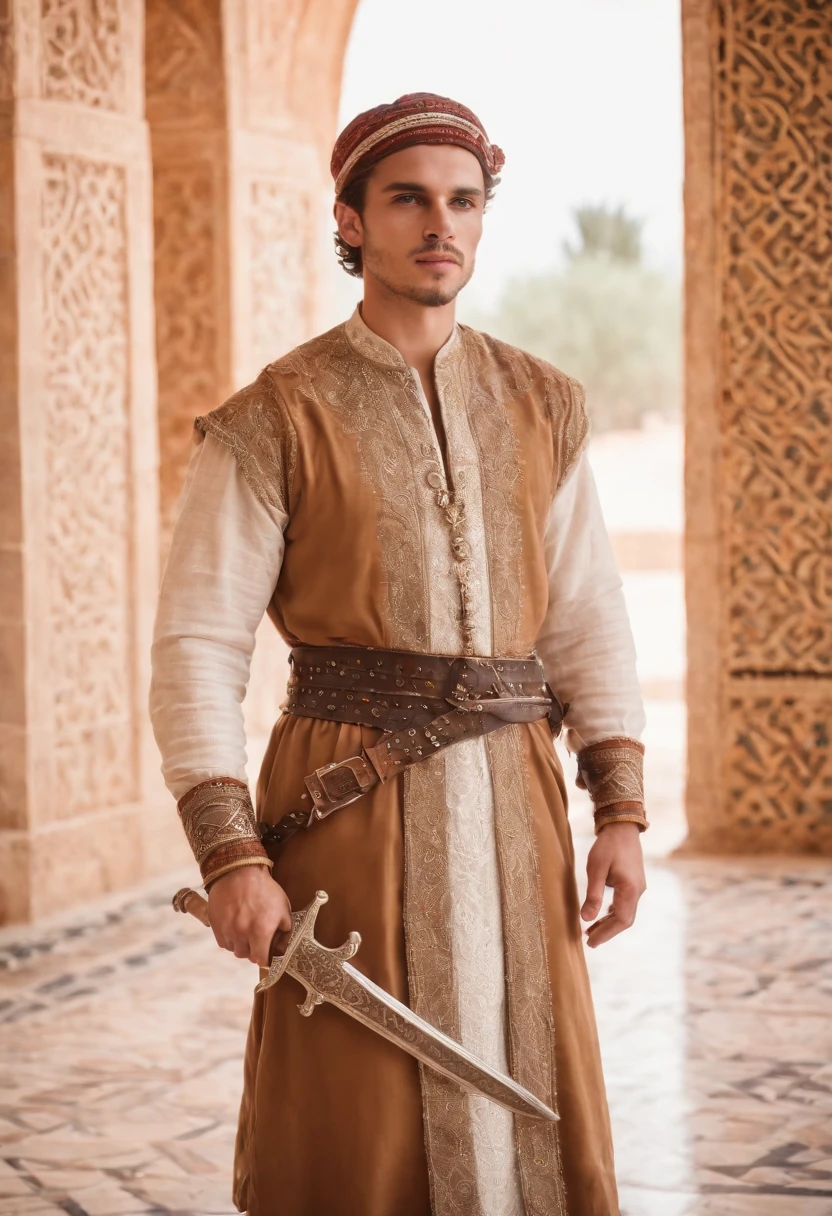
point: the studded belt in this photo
(422, 703)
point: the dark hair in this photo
(354, 195)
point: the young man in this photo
(400, 490)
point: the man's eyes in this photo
(465, 204)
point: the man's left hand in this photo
(615, 860)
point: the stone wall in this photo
(79, 797)
(758, 124)
(227, 232)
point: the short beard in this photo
(429, 297)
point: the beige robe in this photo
(459, 876)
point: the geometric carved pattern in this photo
(780, 766)
(82, 52)
(774, 116)
(282, 233)
(186, 316)
(184, 71)
(758, 127)
(88, 482)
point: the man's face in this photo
(422, 222)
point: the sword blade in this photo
(327, 975)
(354, 994)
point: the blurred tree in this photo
(603, 230)
(605, 318)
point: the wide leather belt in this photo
(422, 703)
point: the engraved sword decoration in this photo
(328, 976)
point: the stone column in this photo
(758, 125)
(81, 808)
(242, 101)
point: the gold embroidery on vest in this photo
(255, 425)
(367, 400)
(565, 399)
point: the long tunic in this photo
(320, 493)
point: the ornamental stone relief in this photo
(186, 317)
(282, 233)
(775, 103)
(780, 767)
(184, 75)
(85, 338)
(82, 52)
(761, 755)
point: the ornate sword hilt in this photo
(302, 937)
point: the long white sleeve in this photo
(586, 644)
(224, 562)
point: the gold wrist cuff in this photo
(216, 813)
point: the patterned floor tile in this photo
(125, 1030)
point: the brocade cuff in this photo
(612, 770)
(218, 815)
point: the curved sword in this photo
(328, 976)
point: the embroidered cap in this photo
(416, 118)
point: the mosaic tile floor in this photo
(123, 1028)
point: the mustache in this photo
(440, 247)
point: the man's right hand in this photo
(247, 907)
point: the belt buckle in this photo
(338, 784)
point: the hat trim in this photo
(408, 123)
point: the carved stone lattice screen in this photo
(758, 125)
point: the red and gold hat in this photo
(416, 118)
